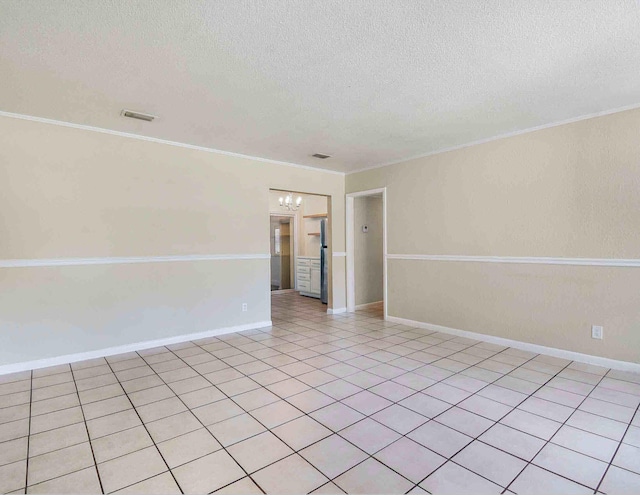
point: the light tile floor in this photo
(323, 404)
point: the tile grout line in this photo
(148, 433)
(547, 442)
(26, 471)
(93, 455)
(203, 425)
(618, 448)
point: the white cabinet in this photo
(308, 276)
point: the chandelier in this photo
(288, 203)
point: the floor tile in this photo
(546, 409)
(372, 476)
(607, 409)
(628, 457)
(337, 416)
(451, 478)
(597, 424)
(276, 413)
(425, 405)
(255, 399)
(339, 389)
(57, 463)
(366, 402)
(301, 432)
(131, 468)
(531, 423)
(54, 404)
(236, 429)
(161, 409)
(58, 419)
(447, 393)
(586, 443)
(533, 481)
(333, 455)
(310, 400)
(288, 387)
(392, 391)
(12, 476)
(620, 481)
(491, 463)
(173, 426)
(399, 418)
(208, 473)
(217, 411)
(410, 459)
(514, 442)
(106, 407)
(83, 481)
(464, 421)
(570, 464)
(259, 451)
(290, 475)
(484, 407)
(439, 438)
(188, 447)
(13, 451)
(245, 486)
(51, 440)
(121, 443)
(369, 435)
(107, 425)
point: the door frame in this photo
(294, 234)
(350, 228)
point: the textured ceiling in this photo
(369, 82)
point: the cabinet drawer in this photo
(304, 285)
(304, 276)
(303, 262)
(315, 264)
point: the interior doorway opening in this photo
(300, 238)
(366, 225)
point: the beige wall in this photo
(566, 191)
(71, 193)
(368, 263)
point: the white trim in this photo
(520, 260)
(351, 274)
(339, 254)
(16, 263)
(368, 305)
(121, 349)
(525, 346)
(336, 311)
(129, 135)
(499, 136)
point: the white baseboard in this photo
(525, 346)
(121, 349)
(368, 305)
(336, 311)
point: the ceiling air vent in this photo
(137, 115)
(321, 156)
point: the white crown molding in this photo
(339, 253)
(497, 137)
(525, 346)
(121, 349)
(520, 260)
(161, 141)
(21, 263)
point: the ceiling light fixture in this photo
(288, 203)
(138, 115)
(322, 156)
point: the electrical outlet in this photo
(244, 307)
(597, 332)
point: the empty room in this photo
(356, 246)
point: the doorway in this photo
(366, 225)
(282, 236)
(300, 263)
